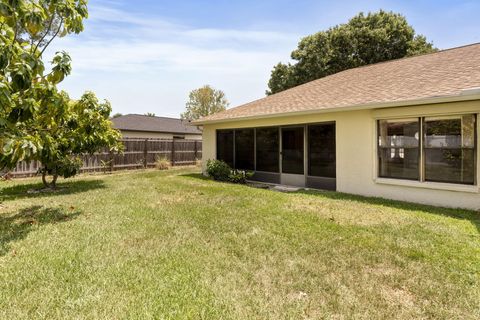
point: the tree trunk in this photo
(54, 181)
(44, 178)
(51, 185)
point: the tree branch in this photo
(46, 32)
(16, 30)
(42, 77)
(50, 41)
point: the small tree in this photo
(203, 102)
(150, 114)
(83, 128)
(37, 121)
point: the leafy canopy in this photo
(365, 39)
(203, 102)
(37, 121)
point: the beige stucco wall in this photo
(356, 153)
(158, 135)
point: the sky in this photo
(147, 55)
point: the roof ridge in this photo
(379, 63)
(404, 58)
(445, 73)
(161, 117)
(356, 68)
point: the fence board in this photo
(138, 153)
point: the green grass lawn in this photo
(173, 245)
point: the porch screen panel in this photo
(267, 149)
(225, 146)
(398, 147)
(292, 150)
(244, 149)
(450, 149)
(321, 150)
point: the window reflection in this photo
(450, 149)
(399, 148)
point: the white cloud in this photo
(146, 64)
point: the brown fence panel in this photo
(138, 153)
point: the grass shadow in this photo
(196, 176)
(462, 214)
(17, 226)
(21, 191)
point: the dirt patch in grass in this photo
(344, 212)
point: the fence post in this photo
(196, 151)
(173, 152)
(111, 158)
(145, 154)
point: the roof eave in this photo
(467, 95)
(156, 131)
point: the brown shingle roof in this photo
(444, 73)
(137, 122)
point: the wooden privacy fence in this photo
(137, 153)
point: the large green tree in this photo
(365, 39)
(37, 121)
(204, 101)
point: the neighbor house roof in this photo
(448, 73)
(137, 122)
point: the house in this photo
(405, 129)
(141, 126)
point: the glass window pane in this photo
(267, 149)
(450, 165)
(399, 133)
(443, 133)
(450, 149)
(225, 146)
(292, 150)
(399, 149)
(244, 149)
(321, 150)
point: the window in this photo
(398, 150)
(321, 150)
(450, 149)
(225, 146)
(244, 149)
(267, 141)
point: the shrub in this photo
(162, 163)
(239, 176)
(221, 171)
(218, 170)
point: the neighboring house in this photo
(405, 129)
(140, 126)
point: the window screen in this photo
(225, 146)
(321, 150)
(267, 140)
(244, 149)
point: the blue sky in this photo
(145, 56)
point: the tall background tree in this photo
(37, 121)
(365, 39)
(203, 102)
